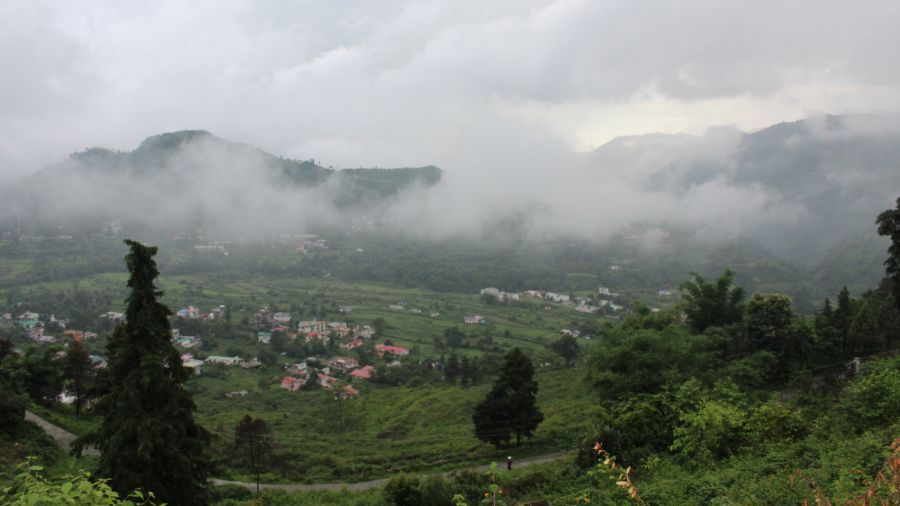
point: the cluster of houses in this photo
(35, 328)
(268, 322)
(299, 374)
(325, 374)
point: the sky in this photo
(471, 86)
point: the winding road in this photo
(65, 438)
(368, 485)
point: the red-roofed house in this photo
(381, 349)
(363, 373)
(351, 391)
(291, 383)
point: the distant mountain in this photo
(193, 179)
(172, 153)
(824, 179)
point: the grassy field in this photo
(387, 429)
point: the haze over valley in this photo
(518, 253)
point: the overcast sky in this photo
(396, 83)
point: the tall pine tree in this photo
(148, 438)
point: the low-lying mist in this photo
(797, 188)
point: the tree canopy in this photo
(510, 408)
(712, 304)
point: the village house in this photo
(97, 361)
(263, 317)
(112, 315)
(350, 391)
(282, 317)
(339, 329)
(253, 363)
(396, 307)
(346, 309)
(499, 294)
(382, 349)
(533, 293)
(235, 394)
(227, 361)
(76, 335)
(264, 337)
(188, 360)
(308, 326)
(291, 384)
(343, 363)
(352, 345)
(584, 308)
(570, 333)
(298, 369)
(28, 323)
(364, 332)
(363, 373)
(665, 294)
(493, 292)
(557, 297)
(29, 315)
(414, 310)
(218, 313)
(189, 312)
(324, 380)
(188, 342)
(475, 319)
(317, 336)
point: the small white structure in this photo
(475, 319)
(227, 361)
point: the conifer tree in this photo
(510, 408)
(148, 438)
(864, 336)
(889, 225)
(841, 318)
(78, 373)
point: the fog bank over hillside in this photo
(797, 188)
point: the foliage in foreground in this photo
(31, 488)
